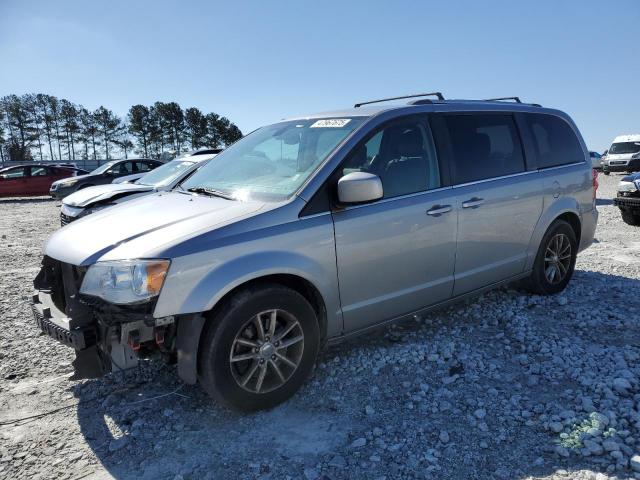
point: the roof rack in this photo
(500, 99)
(433, 94)
(515, 99)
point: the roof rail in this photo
(515, 99)
(433, 94)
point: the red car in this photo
(32, 179)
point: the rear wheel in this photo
(259, 348)
(555, 260)
(630, 218)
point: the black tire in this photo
(606, 172)
(84, 186)
(630, 218)
(539, 282)
(230, 322)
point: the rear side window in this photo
(483, 146)
(554, 140)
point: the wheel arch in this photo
(566, 209)
(191, 327)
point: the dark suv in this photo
(103, 174)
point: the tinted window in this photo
(402, 155)
(483, 146)
(144, 167)
(125, 168)
(554, 141)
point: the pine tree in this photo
(196, 127)
(108, 125)
(141, 127)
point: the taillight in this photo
(594, 177)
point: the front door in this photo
(498, 200)
(14, 182)
(396, 255)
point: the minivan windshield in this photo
(271, 163)
(165, 174)
(624, 147)
(102, 168)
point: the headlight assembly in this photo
(125, 281)
(67, 183)
(627, 187)
(70, 211)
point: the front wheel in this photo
(259, 348)
(630, 218)
(555, 260)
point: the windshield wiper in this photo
(211, 192)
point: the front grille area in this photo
(60, 279)
(66, 219)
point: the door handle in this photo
(474, 202)
(438, 210)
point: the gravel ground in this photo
(507, 386)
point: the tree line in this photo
(36, 126)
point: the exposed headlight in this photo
(67, 183)
(125, 281)
(70, 211)
(627, 186)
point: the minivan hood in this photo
(173, 216)
(100, 193)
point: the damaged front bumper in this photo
(105, 337)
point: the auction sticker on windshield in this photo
(331, 123)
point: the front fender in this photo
(305, 248)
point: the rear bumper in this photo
(589, 224)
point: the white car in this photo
(624, 155)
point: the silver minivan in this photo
(317, 228)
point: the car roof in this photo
(627, 138)
(433, 106)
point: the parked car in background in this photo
(317, 228)
(165, 177)
(596, 160)
(624, 155)
(193, 153)
(106, 173)
(628, 199)
(32, 179)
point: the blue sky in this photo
(257, 62)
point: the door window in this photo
(125, 168)
(14, 173)
(554, 140)
(39, 172)
(402, 155)
(143, 167)
(483, 146)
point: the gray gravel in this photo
(507, 386)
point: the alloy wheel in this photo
(266, 351)
(557, 258)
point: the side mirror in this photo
(359, 187)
